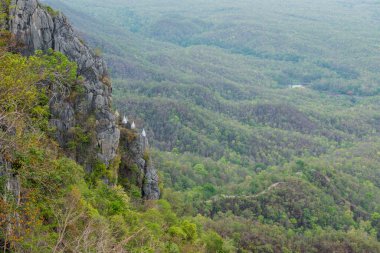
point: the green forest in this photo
(263, 119)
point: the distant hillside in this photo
(217, 81)
(265, 115)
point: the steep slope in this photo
(85, 113)
(35, 29)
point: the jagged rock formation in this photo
(136, 168)
(36, 27)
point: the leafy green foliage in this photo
(50, 10)
(315, 201)
(4, 9)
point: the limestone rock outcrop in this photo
(136, 167)
(37, 27)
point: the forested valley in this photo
(263, 121)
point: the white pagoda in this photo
(125, 120)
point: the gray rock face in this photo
(37, 29)
(150, 185)
(136, 165)
(150, 189)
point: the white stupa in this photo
(143, 133)
(125, 120)
(133, 126)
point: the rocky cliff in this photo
(89, 112)
(36, 29)
(136, 167)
